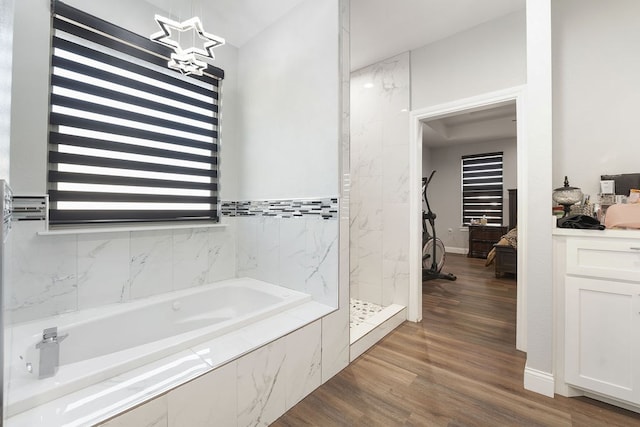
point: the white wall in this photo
(486, 58)
(29, 101)
(595, 84)
(288, 94)
(445, 192)
(596, 73)
(379, 209)
(6, 44)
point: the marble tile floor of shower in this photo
(360, 311)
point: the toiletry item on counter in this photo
(623, 216)
(607, 186)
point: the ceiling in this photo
(381, 29)
(493, 123)
(238, 21)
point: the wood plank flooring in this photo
(458, 367)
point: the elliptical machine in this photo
(433, 254)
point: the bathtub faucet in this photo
(49, 352)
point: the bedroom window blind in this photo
(482, 187)
(129, 139)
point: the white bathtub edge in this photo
(104, 400)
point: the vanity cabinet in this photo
(602, 317)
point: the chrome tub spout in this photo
(49, 352)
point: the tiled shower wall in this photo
(379, 236)
(53, 274)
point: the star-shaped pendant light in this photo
(184, 60)
(187, 64)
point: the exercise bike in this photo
(433, 253)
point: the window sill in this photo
(92, 230)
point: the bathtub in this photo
(104, 342)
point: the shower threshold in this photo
(369, 323)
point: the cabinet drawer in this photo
(604, 258)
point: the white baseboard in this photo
(452, 250)
(539, 382)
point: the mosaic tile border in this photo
(293, 208)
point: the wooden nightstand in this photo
(482, 238)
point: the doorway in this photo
(417, 119)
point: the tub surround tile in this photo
(322, 259)
(293, 259)
(262, 385)
(103, 269)
(335, 342)
(247, 255)
(70, 272)
(303, 368)
(43, 273)
(210, 400)
(268, 249)
(222, 251)
(300, 254)
(151, 414)
(190, 257)
(151, 263)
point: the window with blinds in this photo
(129, 140)
(482, 187)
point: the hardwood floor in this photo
(458, 367)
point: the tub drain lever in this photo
(49, 352)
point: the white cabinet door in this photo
(602, 341)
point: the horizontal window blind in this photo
(482, 186)
(129, 139)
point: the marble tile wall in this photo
(53, 274)
(298, 253)
(379, 208)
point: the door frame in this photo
(416, 117)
